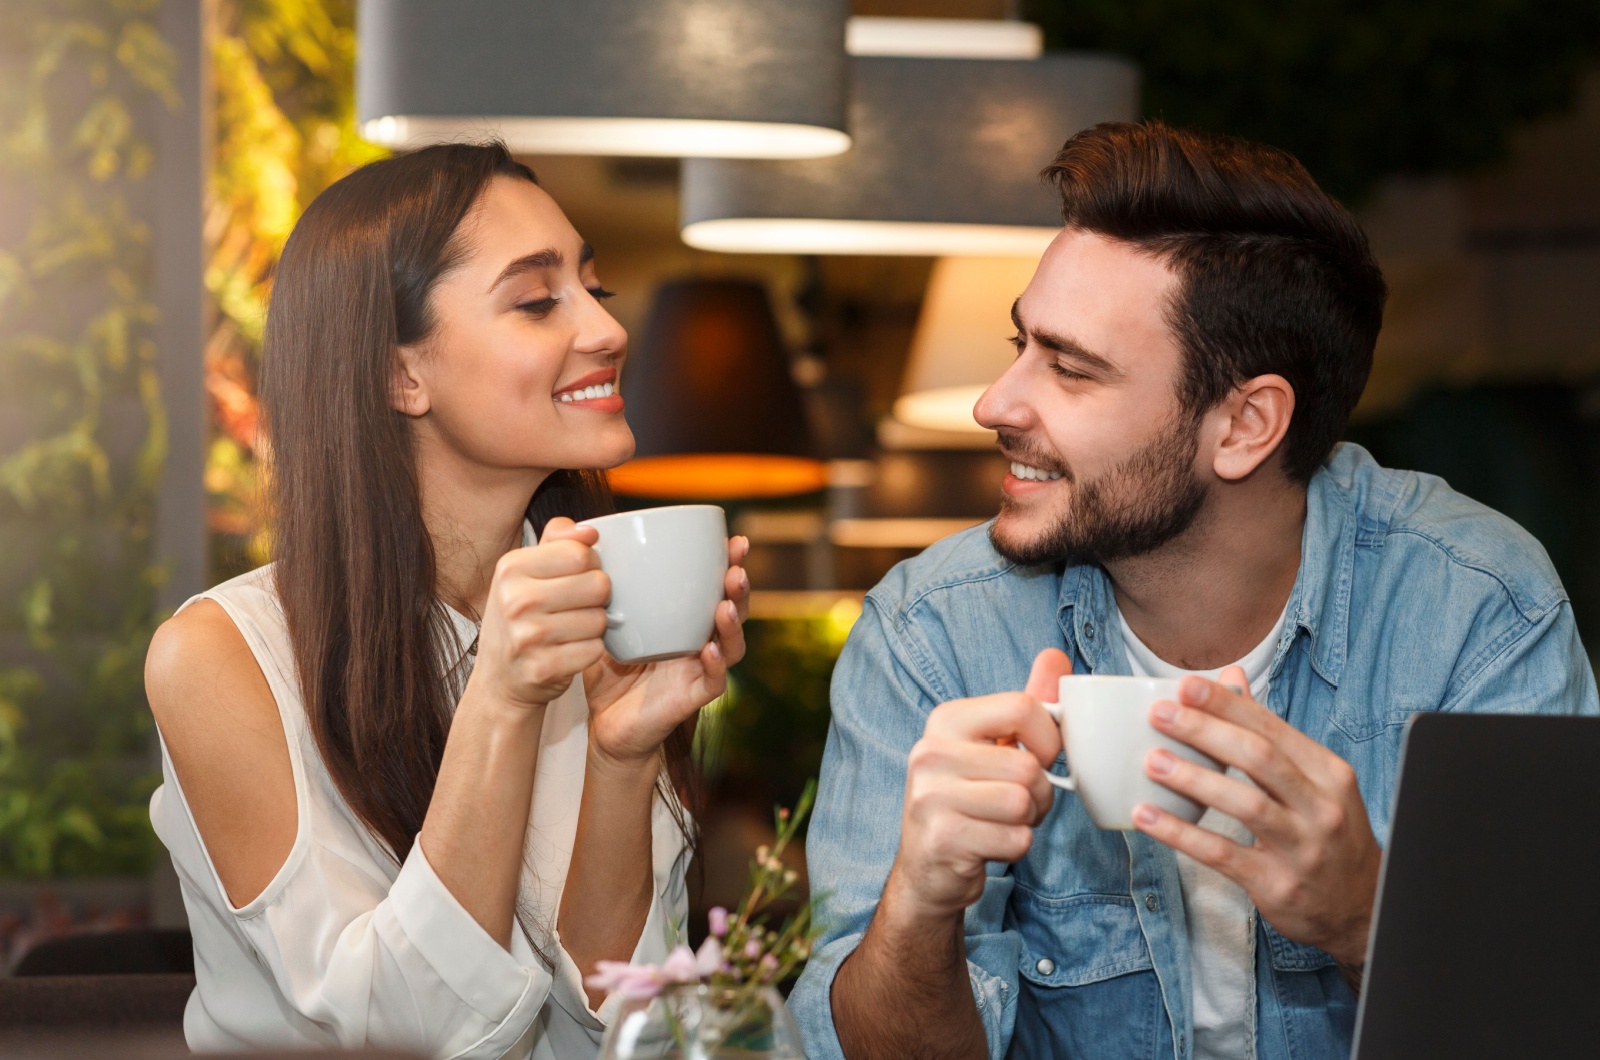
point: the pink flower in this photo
(679, 967)
(634, 981)
(769, 964)
(719, 921)
(709, 959)
(752, 949)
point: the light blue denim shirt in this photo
(1410, 597)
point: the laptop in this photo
(1486, 935)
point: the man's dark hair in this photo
(1276, 277)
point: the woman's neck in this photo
(474, 516)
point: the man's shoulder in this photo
(962, 566)
(961, 618)
(1424, 532)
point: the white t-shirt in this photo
(1221, 918)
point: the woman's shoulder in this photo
(219, 720)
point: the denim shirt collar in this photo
(1319, 603)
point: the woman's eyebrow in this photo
(548, 258)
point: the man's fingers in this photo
(1255, 754)
(1214, 697)
(1246, 803)
(1044, 680)
(1007, 716)
(1233, 860)
(991, 800)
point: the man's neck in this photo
(1205, 599)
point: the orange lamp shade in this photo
(714, 410)
(718, 476)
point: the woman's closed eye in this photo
(542, 306)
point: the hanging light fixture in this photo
(959, 346)
(714, 410)
(709, 78)
(945, 158)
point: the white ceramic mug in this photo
(666, 567)
(1106, 730)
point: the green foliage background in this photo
(82, 431)
(1356, 89)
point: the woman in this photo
(394, 825)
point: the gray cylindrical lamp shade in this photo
(945, 160)
(715, 78)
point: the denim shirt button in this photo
(1150, 902)
(1045, 966)
(1088, 631)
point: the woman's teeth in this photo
(1033, 474)
(588, 393)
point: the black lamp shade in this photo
(945, 160)
(713, 407)
(720, 78)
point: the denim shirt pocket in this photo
(1076, 941)
(1289, 956)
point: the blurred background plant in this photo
(82, 432)
(284, 75)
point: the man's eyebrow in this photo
(548, 258)
(1065, 346)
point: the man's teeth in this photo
(1033, 474)
(588, 393)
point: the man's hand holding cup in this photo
(975, 788)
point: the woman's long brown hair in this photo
(355, 565)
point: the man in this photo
(1188, 353)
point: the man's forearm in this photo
(905, 990)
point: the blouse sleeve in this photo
(396, 965)
(404, 965)
(663, 926)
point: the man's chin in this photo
(1017, 538)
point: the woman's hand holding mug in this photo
(679, 598)
(545, 617)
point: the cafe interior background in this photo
(808, 332)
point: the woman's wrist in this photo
(483, 700)
(640, 770)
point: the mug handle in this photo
(615, 619)
(1064, 783)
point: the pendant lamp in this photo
(711, 78)
(945, 160)
(959, 346)
(714, 410)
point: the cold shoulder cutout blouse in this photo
(346, 948)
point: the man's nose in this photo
(1003, 406)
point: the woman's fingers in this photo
(730, 632)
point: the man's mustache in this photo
(1020, 448)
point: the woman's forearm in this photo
(611, 878)
(477, 821)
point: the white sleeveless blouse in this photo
(345, 948)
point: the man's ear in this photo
(1258, 418)
(408, 392)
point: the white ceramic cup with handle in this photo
(1106, 731)
(666, 567)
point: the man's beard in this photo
(1133, 509)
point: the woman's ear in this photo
(408, 392)
(1260, 410)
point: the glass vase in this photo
(700, 1022)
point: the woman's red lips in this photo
(596, 378)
